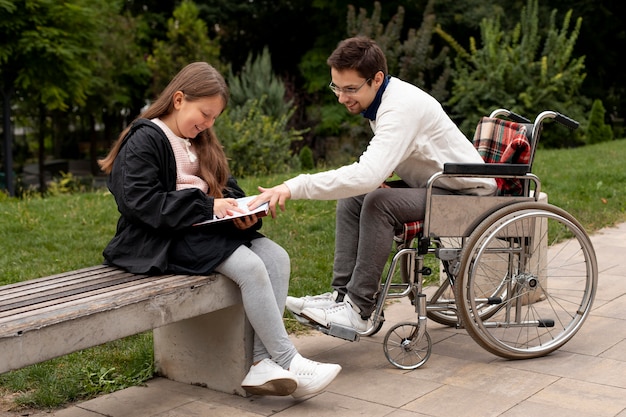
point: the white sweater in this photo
(413, 137)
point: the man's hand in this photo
(275, 195)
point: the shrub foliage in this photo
(521, 71)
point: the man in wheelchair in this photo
(412, 138)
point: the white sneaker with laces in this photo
(345, 314)
(269, 378)
(297, 304)
(312, 376)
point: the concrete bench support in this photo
(213, 350)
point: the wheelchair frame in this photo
(518, 274)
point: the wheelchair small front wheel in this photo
(405, 347)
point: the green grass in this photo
(84, 374)
(588, 182)
(43, 236)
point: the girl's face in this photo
(192, 117)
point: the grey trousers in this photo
(262, 274)
(365, 227)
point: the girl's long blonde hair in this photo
(197, 80)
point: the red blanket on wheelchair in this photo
(503, 142)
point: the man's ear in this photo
(379, 78)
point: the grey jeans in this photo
(262, 274)
(365, 227)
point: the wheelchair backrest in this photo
(502, 141)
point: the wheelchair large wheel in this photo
(536, 265)
(405, 347)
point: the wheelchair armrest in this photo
(486, 169)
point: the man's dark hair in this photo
(361, 54)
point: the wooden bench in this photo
(201, 334)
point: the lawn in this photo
(43, 236)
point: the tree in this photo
(518, 71)
(410, 57)
(256, 79)
(597, 131)
(187, 41)
(45, 60)
(120, 80)
(254, 129)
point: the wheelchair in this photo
(517, 273)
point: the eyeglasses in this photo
(348, 90)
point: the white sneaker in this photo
(296, 305)
(312, 376)
(269, 378)
(345, 314)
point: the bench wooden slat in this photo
(35, 301)
(42, 282)
(45, 284)
(48, 285)
(101, 299)
(62, 290)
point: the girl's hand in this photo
(245, 222)
(223, 207)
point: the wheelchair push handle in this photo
(548, 114)
(514, 117)
(518, 118)
(558, 117)
(566, 121)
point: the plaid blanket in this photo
(503, 142)
(409, 232)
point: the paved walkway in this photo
(586, 377)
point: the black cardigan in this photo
(155, 232)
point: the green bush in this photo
(306, 158)
(413, 59)
(519, 71)
(68, 183)
(255, 80)
(254, 129)
(597, 131)
(256, 143)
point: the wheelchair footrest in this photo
(342, 332)
(335, 330)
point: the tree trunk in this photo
(42, 149)
(8, 141)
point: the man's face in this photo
(354, 91)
